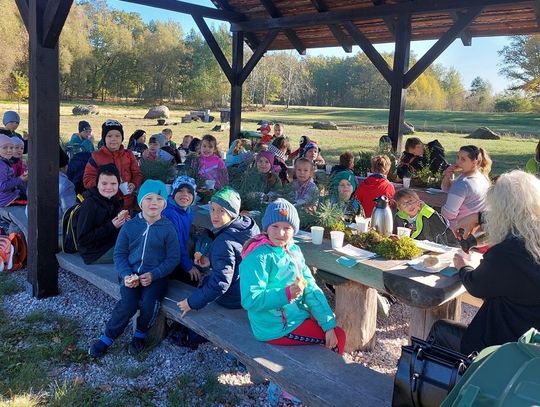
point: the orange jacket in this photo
(127, 167)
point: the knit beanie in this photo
(268, 155)
(339, 176)
(281, 210)
(152, 186)
(183, 181)
(109, 169)
(229, 200)
(17, 140)
(11, 116)
(84, 125)
(63, 159)
(309, 146)
(5, 140)
(111, 125)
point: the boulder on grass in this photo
(325, 126)
(158, 112)
(85, 110)
(408, 128)
(484, 133)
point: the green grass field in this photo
(361, 128)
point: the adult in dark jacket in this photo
(412, 159)
(231, 231)
(100, 218)
(508, 278)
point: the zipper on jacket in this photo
(145, 234)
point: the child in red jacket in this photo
(376, 184)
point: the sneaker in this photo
(136, 346)
(98, 349)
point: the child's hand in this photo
(203, 262)
(184, 307)
(330, 339)
(119, 221)
(131, 188)
(146, 279)
(195, 274)
(131, 281)
(296, 289)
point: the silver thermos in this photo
(381, 218)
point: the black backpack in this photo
(69, 233)
(76, 166)
(437, 157)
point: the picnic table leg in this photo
(422, 319)
(356, 313)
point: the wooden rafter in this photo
(340, 37)
(466, 37)
(54, 19)
(291, 35)
(251, 38)
(366, 13)
(189, 8)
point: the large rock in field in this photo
(325, 126)
(484, 133)
(85, 110)
(158, 112)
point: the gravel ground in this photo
(164, 364)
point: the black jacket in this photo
(95, 231)
(409, 164)
(508, 280)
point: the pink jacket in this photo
(213, 168)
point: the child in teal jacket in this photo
(284, 304)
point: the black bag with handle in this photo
(426, 373)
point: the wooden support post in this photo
(43, 147)
(356, 313)
(398, 92)
(422, 319)
(236, 85)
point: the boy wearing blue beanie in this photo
(284, 304)
(231, 231)
(146, 252)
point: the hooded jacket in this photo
(508, 280)
(223, 285)
(373, 187)
(409, 164)
(127, 167)
(265, 273)
(142, 248)
(181, 220)
(11, 186)
(213, 168)
(96, 233)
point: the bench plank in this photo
(312, 373)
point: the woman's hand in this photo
(195, 274)
(450, 171)
(146, 279)
(184, 307)
(331, 339)
(460, 261)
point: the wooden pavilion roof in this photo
(307, 27)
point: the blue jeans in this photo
(146, 299)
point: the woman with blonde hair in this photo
(467, 193)
(508, 278)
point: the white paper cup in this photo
(182, 155)
(317, 233)
(406, 182)
(328, 169)
(401, 232)
(336, 237)
(210, 183)
(362, 225)
(124, 188)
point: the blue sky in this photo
(480, 59)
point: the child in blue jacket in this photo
(284, 304)
(146, 252)
(231, 231)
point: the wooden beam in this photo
(399, 92)
(43, 148)
(291, 35)
(214, 47)
(388, 21)
(370, 51)
(189, 8)
(466, 37)
(536, 6)
(251, 38)
(340, 37)
(54, 19)
(236, 85)
(366, 13)
(257, 55)
(22, 5)
(438, 48)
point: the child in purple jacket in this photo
(12, 187)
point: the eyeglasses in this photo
(407, 204)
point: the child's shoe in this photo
(98, 349)
(136, 346)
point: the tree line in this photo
(113, 55)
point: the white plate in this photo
(433, 247)
(356, 253)
(417, 264)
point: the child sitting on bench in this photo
(284, 304)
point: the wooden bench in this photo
(314, 374)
